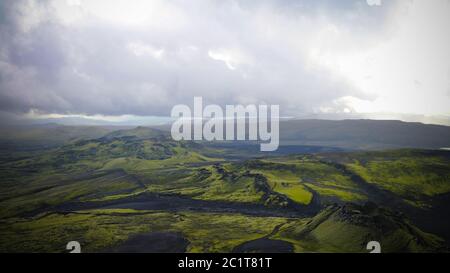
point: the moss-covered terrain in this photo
(106, 191)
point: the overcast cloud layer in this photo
(111, 58)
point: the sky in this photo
(118, 60)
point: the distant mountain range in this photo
(361, 134)
(346, 134)
(364, 134)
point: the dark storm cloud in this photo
(85, 57)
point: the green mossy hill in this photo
(348, 228)
(139, 133)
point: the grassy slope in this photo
(98, 230)
(349, 228)
(335, 229)
(413, 175)
(87, 170)
(297, 177)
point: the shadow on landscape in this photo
(155, 242)
(265, 245)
